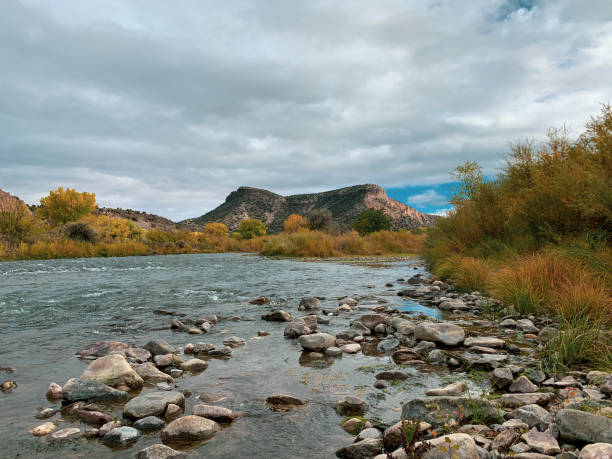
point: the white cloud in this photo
(427, 198)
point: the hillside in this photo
(345, 204)
(8, 202)
(141, 219)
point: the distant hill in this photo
(345, 204)
(141, 219)
(8, 202)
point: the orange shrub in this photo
(295, 223)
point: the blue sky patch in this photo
(425, 198)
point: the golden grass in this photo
(468, 273)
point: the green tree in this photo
(65, 205)
(470, 178)
(370, 221)
(251, 227)
(320, 220)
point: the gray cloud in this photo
(167, 107)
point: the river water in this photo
(51, 308)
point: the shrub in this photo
(16, 222)
(66, 205)
(111, 229)
(251, 227)
(321, 220)
(216, 229)
(370, 221)
(80, 232)
(295, 223)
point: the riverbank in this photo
(357, 360)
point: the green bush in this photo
(251, 227)
(370, 221)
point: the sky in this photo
(167, 107)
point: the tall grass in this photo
(468, 273)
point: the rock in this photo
(348, 335)
(342, 308)
(504, 440)
(261, 300)
(112, 370)
(445, 333)
(436, 410)
(350, 406)
(234, 341)
(224, 351)
(606, 386)
(402, 356)
(536, 376)
(380, 329)
(150, 423)
(523, 385)
(389, 375)
(533, 415)
(177, 324)
(69, 433)
(372, 320)
(333, 351)
(75, 390)
(501, 377)
(458, 446)
(363, 449)
(596, 377)
(263, 333)
(93, 417)
(103, 348)
(138, 354)
(173, 411)
(355, 425)
(351, 348)
(456, 388)
(150, 373)
(159, 347)
(309, 304)
(152, 404)
(205, 327)
(541, 442)
(436, 357)
(43, 429)
(202, 348)
(369, 432)
(277, 316)
(516, 400)
(296, 328)
(159, 452)
(121, 436)
(424, 346)
(282, 399)
(347, 300)
(108, 427)
(216, 413)
(516, 424)
(596, 451)
(316, 342)
(45, 413)
(527, 326)
(194, 365)
(189, 429)
(586, 427)
(393, 434)
(388, 345)
(361, 328)
(546, 334)
(508, 323)
(381, 384)
(489, 361)
(484, 341)
(452, 305)
(520, 447)
(54, 392)
(195, 331)
(189, 348)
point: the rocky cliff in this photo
(8, 202)
(345, 204)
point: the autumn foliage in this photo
(295, 223)
(66, 205)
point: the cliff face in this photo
(345, 204)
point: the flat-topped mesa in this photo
(345, 204)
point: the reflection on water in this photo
(52, 308)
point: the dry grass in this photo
(468, 273)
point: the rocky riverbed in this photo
(348, 368)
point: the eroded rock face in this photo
(189, 429)
(152, 404)
(112, 370)
(448, 334)
(586, 427)
(316, 342)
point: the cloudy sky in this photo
(167, 106)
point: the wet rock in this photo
(355, 425)
(194, 365)
(484, 341)
(541, 442)
(166, 360)
(137, 354)
(277, 316)
(350, 406)
(67, 434)
(523, 385)
(351, 348)
(424, 346)
(112, 370)
(263, 333)
(282, 399)
(436, 410)
(234, 341)
(501, 377)
(189, 347)
(369, 432)
(150, 373)
(363, 449)
(172, 412)
(152, 404)
(309, 304)
(461, 445)
(296, 328)
(45, 413)
(361, 328)
(54, 392)
(392, 436)
(380, 329)
(261, 300)
(216, 413)
(150, 423)
(586, 427)
(159, 452)
(103, 348)
(372, 320)
(159, 347)
(315, 355)
(533, 415)
(202, 348)
(348, 335)
(43, 429)
(381, 384)
(527, 326)
(456, 388)
(596, 451)
(445, 333)
(177, 325)
(205, 327)
(347, 300)
(333, 351)
(388, 345)
(391, 375)
(195, 331)
(436, 357)
(93, 417)
(404, 355)
(508, 323)
(317, 342)
(75, 390)
(224, 351)
(342, 308)
(189, 429)
(121, 436)
(108, 427)
(516, 400)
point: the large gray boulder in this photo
(445, 333)
(152, 404)
(437, 410)
(317, 342)
(75, 390)
(159, 347)
(585, 427)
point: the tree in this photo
(16, 221)
(66, 205)
(320, 220)
(216, 229)
(251, 227)
(470, 178)
(295, 223)
(370, 221)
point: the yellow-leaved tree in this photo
(65, 205)
(295, 224)
(216, 229)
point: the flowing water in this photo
(50, 309)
